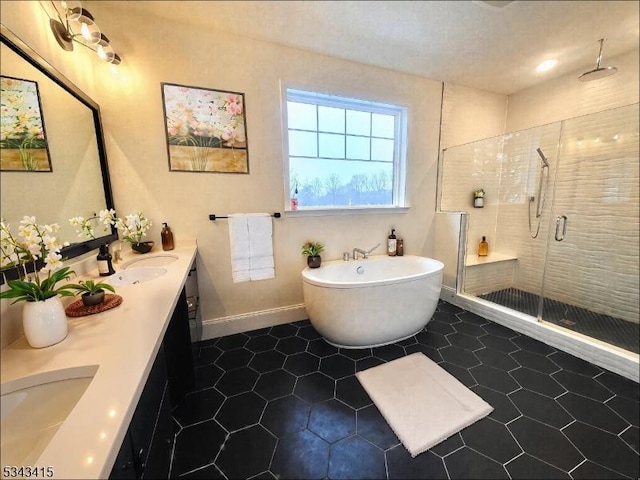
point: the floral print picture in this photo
(23, 144)
(206, 130)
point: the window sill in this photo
(322, 212)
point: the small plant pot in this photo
(89, 300)
(142, 247)
(314, 261)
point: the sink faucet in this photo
(365, 254)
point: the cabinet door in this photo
(177, 346)
(124, 467)
(159, 458)
(144, 418)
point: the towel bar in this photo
(213, 216)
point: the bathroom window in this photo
(343, 153)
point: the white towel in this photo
(261, 262)
(238, 236)
(251, 246)
(241, 276)
(262, 274)
(239, 243)
(260, 235)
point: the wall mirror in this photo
(77, 181)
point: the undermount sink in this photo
(160, 260)
(135, 275)
(33, 408)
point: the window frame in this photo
(400, 112)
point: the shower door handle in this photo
(560, 237)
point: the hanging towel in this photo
(260, 235)
(251, 242)
(239, 243)
(260, 227)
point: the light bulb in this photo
(89, 30)
(85, 31)
(104, 50)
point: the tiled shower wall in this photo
(596, 265)
(597, 189)
(467, 114)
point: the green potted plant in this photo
(312, 250)
(35, 253)
(92, 293)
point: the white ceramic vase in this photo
(44, 323)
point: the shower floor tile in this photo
(614, 331)
(293, 408)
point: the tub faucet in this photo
(365, 254)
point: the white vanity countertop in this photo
(123, 343)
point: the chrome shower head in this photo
(598, 72)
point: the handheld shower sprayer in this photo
(543, 158)
(542, 191)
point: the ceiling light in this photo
(546, 65)
(72, 23)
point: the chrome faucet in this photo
(365, 254)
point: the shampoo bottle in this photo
(105, 267)
(400, 247)
(483, 248)
(167, 237)
(392, 244)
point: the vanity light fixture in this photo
(72, 23)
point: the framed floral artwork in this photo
(206, 129)
(23, 143)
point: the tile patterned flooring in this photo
(280, 402)
(614, 331)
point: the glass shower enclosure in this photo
(561, 215)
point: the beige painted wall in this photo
(469, 114)
(131, 104)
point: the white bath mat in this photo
(422, 402)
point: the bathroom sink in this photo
(160, 260)
(33, 408)
(135, 275)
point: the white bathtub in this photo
(372, 302)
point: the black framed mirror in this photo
(77, 181)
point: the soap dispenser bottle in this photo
(105, 267)
(167, 237)
(483, 248)
(392, 244)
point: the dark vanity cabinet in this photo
(146, 448)
(179, 354)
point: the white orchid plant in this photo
(133, 227)
(32, 244)
(85, 226)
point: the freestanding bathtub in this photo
(372, 302)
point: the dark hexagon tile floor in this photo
(280, 402)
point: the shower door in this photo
(591, 281)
